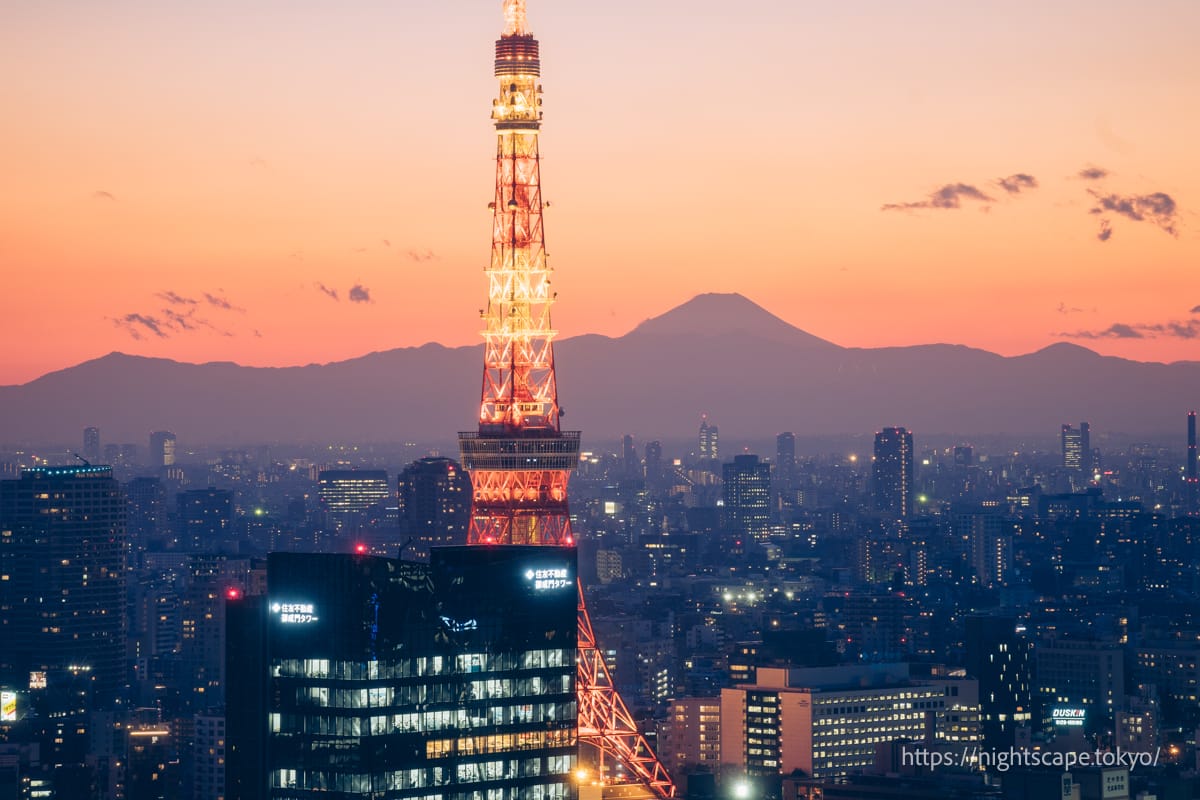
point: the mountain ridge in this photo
(752, 372)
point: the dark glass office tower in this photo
(747, 490)
(365, 677)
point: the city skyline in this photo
(209, 178)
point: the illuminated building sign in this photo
(551, 578)
(37, 680)
(1068, 717)
(8, 706)
(294, 613)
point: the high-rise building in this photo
(709, 441)
(964, 455)
(147, 521)
(988, 546)
(208, 758)
(629, 457)
(654, 463)
(205, 520)
(435, 504)
(162, 449)
(1001, 659)
(62, 576)
(345, 493)
(747, 488)
(1080, 673)
(892, 472)
(1077, 448)
(91, 445)
(784, 481)
(368, 677)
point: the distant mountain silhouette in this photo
(719, 354)
(709, 315)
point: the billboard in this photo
(8, 706)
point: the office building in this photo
(708, 446)
(349, 493)
(629, 459)
(370, 677)
(162, 449)
(205, 520)
(747, 488)
(62, 576)
(892, 472)
(829, 721)
(784, 481)
(434, 499)
(1077, 448)
(1080, 674)
(91, 445)
(147, 520)
(1001, 659)
(655, 474)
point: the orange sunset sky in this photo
(998, 174)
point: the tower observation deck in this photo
(519, 458)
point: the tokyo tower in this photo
(520, 459)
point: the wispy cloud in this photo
(137, 325)
(222, 302)
(359, 294)
(1063, 308)
(325, 290)
(175, 299)
(1091, 173)
(1195, 310)
(421, 256)
(949, 196)
(1015, 184)
(185, 322)
(1157, 208)
(1173, 329)
(101, 195)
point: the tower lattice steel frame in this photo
(520, 459)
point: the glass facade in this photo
(394, 679)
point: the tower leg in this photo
(605, 723)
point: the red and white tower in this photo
(520, 459)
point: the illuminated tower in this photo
(520, 459)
